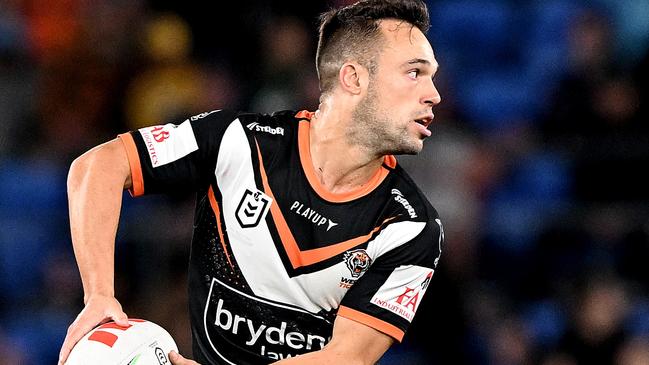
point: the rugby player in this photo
(311, 244)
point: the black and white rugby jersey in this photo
(275, 257)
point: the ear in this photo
(353, 78)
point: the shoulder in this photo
(409, 204)
(223, 116)
(407, 197)
(276, 124)
(253, 124)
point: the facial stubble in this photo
(376, 131)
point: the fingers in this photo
(65, 351)
(96, 312)
(175, 358)
(178, 359)
(76, 331)
(121, 319)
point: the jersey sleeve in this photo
(388, 295)
(173, 157)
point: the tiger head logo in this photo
(357, 261)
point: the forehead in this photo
(403, 41)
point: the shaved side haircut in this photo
(352, 33)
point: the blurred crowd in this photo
(535, 164)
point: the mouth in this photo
(425, 121)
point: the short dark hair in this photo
(352, 33)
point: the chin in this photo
(413, 151)
(410, 149)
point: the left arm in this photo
(351, 343)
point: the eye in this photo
(413, 74)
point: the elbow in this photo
(107, 163)
(77, 172)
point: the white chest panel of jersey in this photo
(244, 209)
(253, 246)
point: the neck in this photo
(339, 165)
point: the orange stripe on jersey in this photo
(137, 187)
(390, 161)
(379, 325)
(217, 214)
(312, 256)
(288, 241)
(298, 257)
(307, 167)
(304, 114)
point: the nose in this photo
(431, 97)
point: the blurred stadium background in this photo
(535, 164)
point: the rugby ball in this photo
(141, 343)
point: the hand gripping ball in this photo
(141, 343)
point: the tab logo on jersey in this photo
(403, 290)
(168, 143)
(406, 204)
(254, 126)
(252, 208)
(310, 214)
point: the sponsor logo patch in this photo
(252, 208)
(440, 239)
(273, 330)
(310, 214)
(159, 134)
(168, 143)
(254, 126)
(403, 291)
(398, 196)
(202, 115)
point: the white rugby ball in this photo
(141, 343)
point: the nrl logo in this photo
(357, 261)
(252, 208)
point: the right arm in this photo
(96, 182)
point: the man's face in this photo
(394, 115)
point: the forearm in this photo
(322, 357)
(352, 343)
(95, 185)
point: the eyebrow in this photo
(419, 60)
(423, 61)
